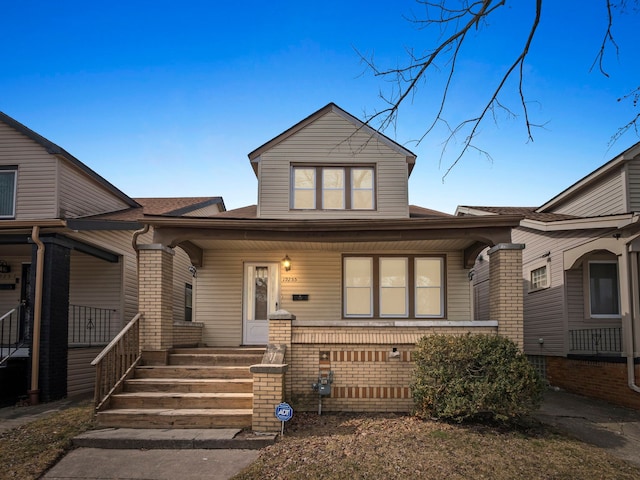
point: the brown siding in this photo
(331, 139)
(633, 185)
(605, 197)
(546, 311)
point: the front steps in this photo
(199, 388)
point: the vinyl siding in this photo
(316, 273)
(37, 174)
(481, 287)
(546, 311)
(98, 284)
(205, 211)
(181, 276)
(633, 179)
(81, 375)
(81, 195)
(332, 139)
(606, 196)
(119, 242)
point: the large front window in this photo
(393, 286)
(332, 188)
(8, 192)
(603, 289)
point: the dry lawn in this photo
(358, 446)
(28, 451)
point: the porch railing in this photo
(596, 340)
(116, 361)
(90, 325)
(11, 334)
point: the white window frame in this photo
(588, 285)
(14, 171)
(533, 267)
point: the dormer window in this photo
(332, 187)
(8, 192)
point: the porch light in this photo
(286, 263)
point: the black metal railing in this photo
(596, 340)
(11, 334)
(90, 325)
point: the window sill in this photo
(394, 323)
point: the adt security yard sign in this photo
(284, 412)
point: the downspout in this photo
(34, 392)
(634, 304)
(134, 244)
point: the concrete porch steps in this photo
(199, 388)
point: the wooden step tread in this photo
(205, 412)
(190, 380)
(182, 395)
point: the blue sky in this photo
(168, 98)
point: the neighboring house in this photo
(581, 281)
(334, 264)
(67, 260)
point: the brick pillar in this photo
(54, 323)
(280, 334)
(505, 290)
(155, 296)
(268, 392)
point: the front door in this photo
(261, 294)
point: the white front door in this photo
(261, 293)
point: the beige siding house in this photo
(580, 281)
(68, 270)
(332, 266)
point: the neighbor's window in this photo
(539, 279)
(8, 192)
(188, 302)
(332, 188)
(393, 286)
(603, 289)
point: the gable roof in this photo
(254, 156)
(530, 213)
(589, 179)
(130, 218)
(54, 149)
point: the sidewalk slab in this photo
(98, 463)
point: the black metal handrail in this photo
(11, 334)
(596, 340)
(90, 325)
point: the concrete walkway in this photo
(220, 454)
(615, 429)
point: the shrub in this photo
(473, 377)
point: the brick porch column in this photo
(268, 392)
(505, 290)
(155, 296)
(280, 334)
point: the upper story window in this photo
(8, 176)
(333, 188)
(539, 278)
(603, 289)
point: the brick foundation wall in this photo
(598, 379)
(367, 375)
(187, 334)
